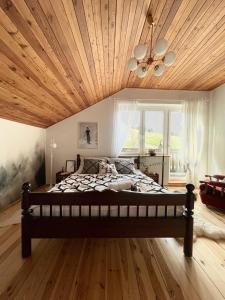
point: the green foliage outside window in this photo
(152, 140)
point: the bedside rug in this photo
(203, 228)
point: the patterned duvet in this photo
(87, 182)
(91, 182)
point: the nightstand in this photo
(156, 164)
(61, 176)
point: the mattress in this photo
(96, 182)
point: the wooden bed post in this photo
(78, 161)
(25, 205)
(188, 237)
(138, 161)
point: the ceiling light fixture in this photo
(141, 62)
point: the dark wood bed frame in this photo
(110, 226)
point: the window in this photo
(159, 127)
(153, 130)
(175, 149)
(132, 142)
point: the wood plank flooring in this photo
(112, 268)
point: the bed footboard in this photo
(110, 225)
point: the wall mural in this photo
(28, 167)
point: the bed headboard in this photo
(136, 160)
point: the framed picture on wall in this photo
(70, 166)
(88, 135)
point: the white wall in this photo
(216, 159)
(22, 158)
(65, 132)
(160, 95)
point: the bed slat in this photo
(156, 211)
(79, 210)
(146, 214)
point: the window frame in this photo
(166, 108)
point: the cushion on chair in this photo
(211, 193)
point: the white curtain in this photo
(195, 144)
(124, 118)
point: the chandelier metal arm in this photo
(149, 61)
(151, 41)
(160, 59)
(144, 57)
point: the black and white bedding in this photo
(97, 182)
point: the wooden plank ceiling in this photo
(58, 57)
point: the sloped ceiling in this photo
(58, 57)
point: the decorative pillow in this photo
(105, 168)
(125, 166)
(82, 158)
(91, 166)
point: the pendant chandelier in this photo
(145, 57)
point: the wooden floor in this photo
(111, 268)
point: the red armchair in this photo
(212, 191)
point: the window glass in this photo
(155, 127)
(132, 142)
(176, 134)
(154, 130)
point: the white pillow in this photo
(80, 169)
(105, 168)
(124, 165)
